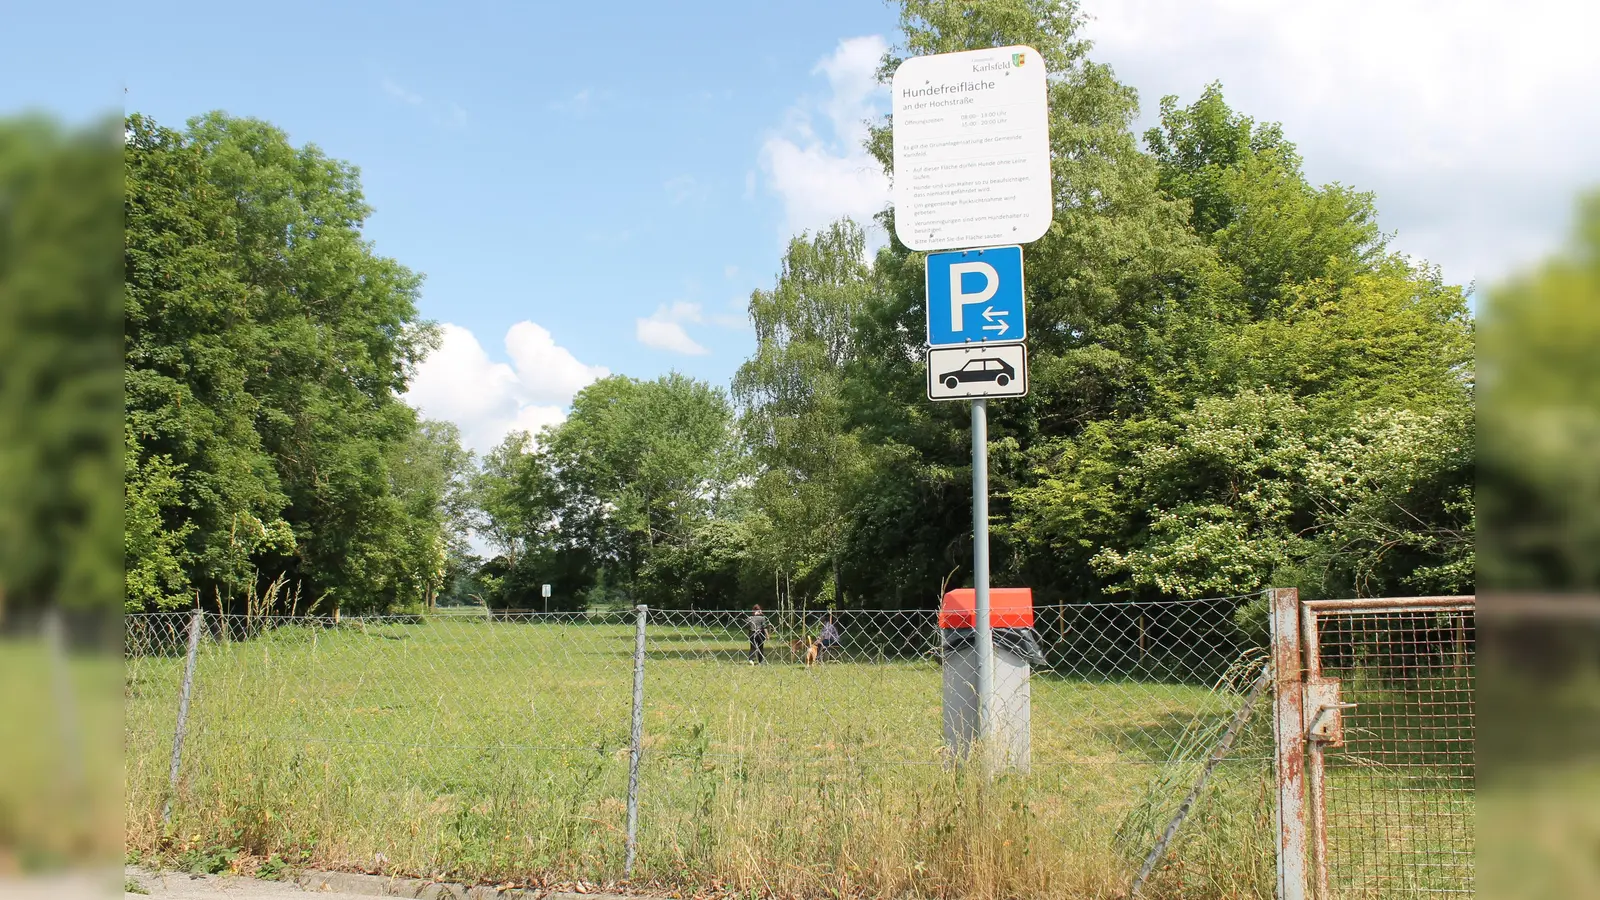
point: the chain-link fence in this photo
(499, 748)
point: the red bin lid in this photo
(1008, 608)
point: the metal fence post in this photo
(1316, 770)
(1288, 738)
(195, 622)
(66, 707)
(636, 742)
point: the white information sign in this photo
(971, 149)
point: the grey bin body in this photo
(1015, 653)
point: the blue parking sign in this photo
(975, 297)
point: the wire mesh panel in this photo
(497, 748)
(826, 736)
(1398, 786)
(424, 745)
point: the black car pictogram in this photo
(983, 369)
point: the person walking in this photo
(828, 639)
(756, 627)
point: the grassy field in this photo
(60, 762)
(498, 752)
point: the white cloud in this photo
(822, 173)
(852, 73)
(685, 188)
(580, 102)
(686, 312)
(665, 335)
(533, 419)
(399, 93)
(548, 373)
(487, 399)
(1473, 122)
(664, 330)
(446, 113)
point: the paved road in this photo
(182, 886)
(311, 886)
(106, 886)
(76, 886)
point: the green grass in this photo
(60, 762)
(498, 752)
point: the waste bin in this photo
(1016, 651)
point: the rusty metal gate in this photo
(1375, 746)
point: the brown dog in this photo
(797, 647)
(812, 652)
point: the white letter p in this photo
(958, 300)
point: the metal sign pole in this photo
(980, 575)
(973, 283)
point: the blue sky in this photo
(598, 187)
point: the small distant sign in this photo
(544, 591)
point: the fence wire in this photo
(497, 746)
(1400, 792)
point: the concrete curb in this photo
(417, 889)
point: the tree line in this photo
(269, 458)
(1236, 382)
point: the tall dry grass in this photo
(498, 752)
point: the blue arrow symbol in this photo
(1000, 329)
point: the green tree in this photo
(794, 412)
(1207, 332)
(1541, 429)
(641, 462)
(1271, 228)
(511, 498)
(266, 349)
(191, 341)
(155, 558)
(430, 478)
(711, 569)
(1248, 490)
(60, 387)
(1114, 289)
(634, 473)
(1318, 429)
(341, 338)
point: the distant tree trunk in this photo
(649, 526)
